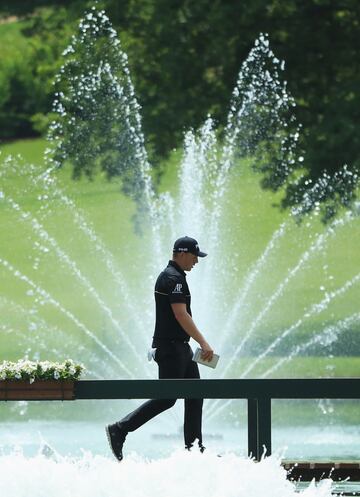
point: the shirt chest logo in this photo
(178, 288)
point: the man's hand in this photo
(207, 351)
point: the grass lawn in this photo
(12, 42)
(86, 292)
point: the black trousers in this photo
(175, 361)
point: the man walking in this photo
(173, 328)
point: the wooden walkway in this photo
(319, 470)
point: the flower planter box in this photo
(38, 390)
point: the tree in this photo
(184, 57)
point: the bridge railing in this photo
(258, 392)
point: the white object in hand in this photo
(197, 358)
(151, 354)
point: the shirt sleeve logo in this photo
(178, 288)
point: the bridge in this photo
(258, 392)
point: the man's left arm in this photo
(188, 325)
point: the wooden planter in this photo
(38, 390)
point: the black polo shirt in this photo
(170, 288)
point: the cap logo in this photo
(188, 245)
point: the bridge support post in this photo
(259, 427)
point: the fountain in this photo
(273, 297)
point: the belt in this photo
(172, 340)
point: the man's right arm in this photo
(188, 325)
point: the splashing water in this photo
(186, 474)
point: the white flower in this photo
(38, 370)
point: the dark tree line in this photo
(184, 58)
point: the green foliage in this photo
(177, 53)
(261, 121)
(15, 82)
(326, 196)
(31, 47)
(97, 121)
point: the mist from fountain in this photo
(326, 337)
